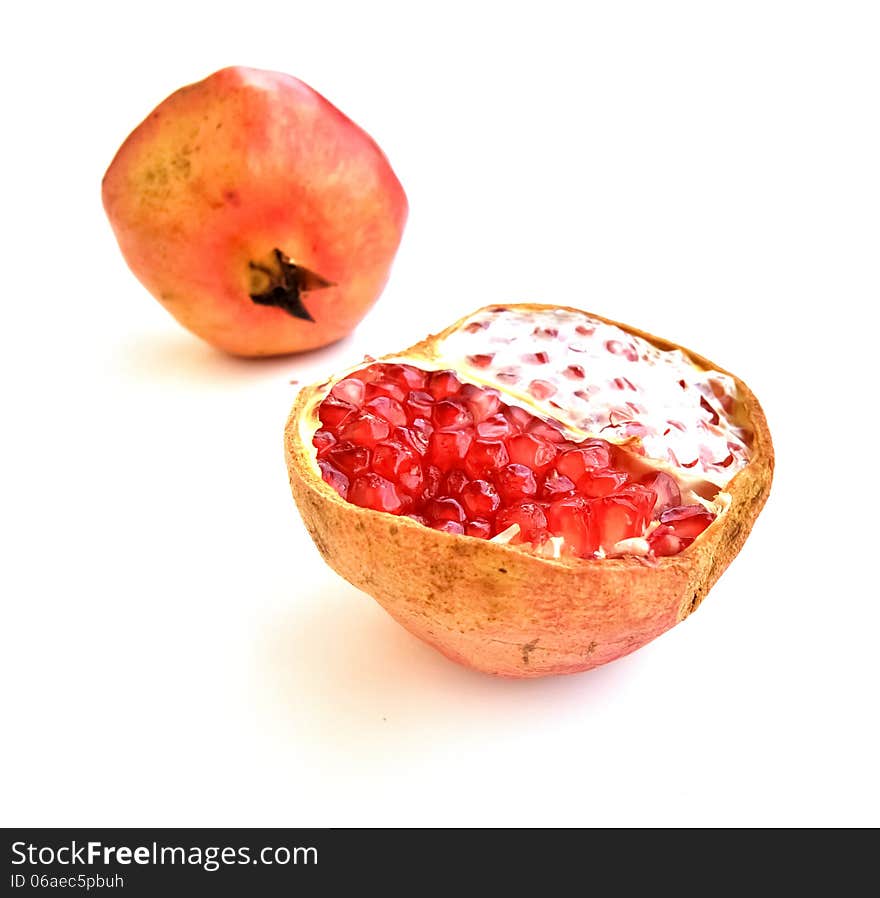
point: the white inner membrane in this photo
(599, 379)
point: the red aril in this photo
(389, 409)
(588, 456)
(516, 482)
(687, 520)
(447, 449)
(335, 412)
(572, 519)
(454, 482)
(451, 415)
(665, 488)
(480, 500)
(323, 441)
(445, 510)
(349, 459)
(601, 482)
(365, 429)
(485, 456)
(373, 491)
(531, 450)
(556, 485)
(528, 516)
(441, 384)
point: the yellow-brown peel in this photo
(500, 609)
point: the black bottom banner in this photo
(267, 862)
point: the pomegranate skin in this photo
(227, 171)
(504, 611)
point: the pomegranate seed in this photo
(572, 519)
(455, 481)
(478, 528)
(405, 376)
(585, 331)
(389, 409)
(433, 482)
(556, 485)
(335, 478)
(447, 449)
(548, 333)
(399, 464)
(663, 541)
(349, 390)
(591, 454)
(373, 491)
(530, 450)
(575, 372)
(665, 488)
(642, 499)
(451, 415)
(475, 327)
(441, 384)
(449, 527)
(616, 519)
(445, 510)
(418, 404)
(598, 483)
(482, 402)
(485, 456)
(687, 520)
(536, 358)
(546, 431)
(518, 418)
(385, 388)
(421, 431)
(323, 440)
(480, 361)
(493, 428)
(530, 517)
(403, 436)
(366, 429)
(516, 482)
(542, 389)
(627, 350)
(480, 499)
(334, 412)
(350, 459)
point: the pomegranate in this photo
(529, 530)
(259, 215)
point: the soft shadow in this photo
(179, 357)
(346, 674)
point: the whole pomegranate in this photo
(536, 490)
(259, 215)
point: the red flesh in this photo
(455, 457)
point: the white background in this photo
(174, 651)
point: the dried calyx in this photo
(546, 429)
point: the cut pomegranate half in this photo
(609, 477)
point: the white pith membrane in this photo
(607, 383)
(593, 379)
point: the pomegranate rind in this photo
(505, 611)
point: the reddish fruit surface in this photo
(524, 531)
(257, 213)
